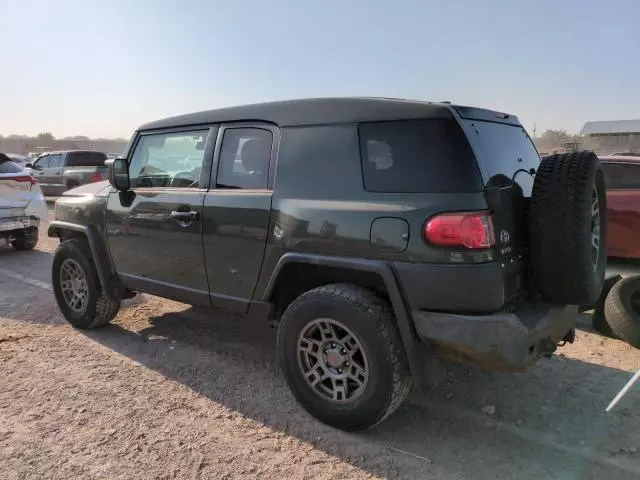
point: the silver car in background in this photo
(22, 206)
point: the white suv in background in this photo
(22, 206)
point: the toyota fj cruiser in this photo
(378, 234)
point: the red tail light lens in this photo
(96, 177)
(24, 178)
(470, 230)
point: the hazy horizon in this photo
(107, 67)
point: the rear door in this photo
(236, 212)
(622, 181)
(53, 174)
(154, 230)
(507, 159)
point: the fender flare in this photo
(422, 359)
(101, 258)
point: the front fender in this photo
(81, 212)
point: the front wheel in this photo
(77, 288)
(26, 239)
(342, 356)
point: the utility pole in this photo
(535, 129)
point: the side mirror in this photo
(28, 165)
(118, 173)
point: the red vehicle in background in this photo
(622, 177)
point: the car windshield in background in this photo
(86, 159)
(417, 156)
(17, 158)
(7, 166)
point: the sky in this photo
(101, 68)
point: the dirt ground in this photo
(168, 391)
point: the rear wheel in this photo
(568, 228)
(72, 184)
(77, 288)
(26, 239)
(343, 357)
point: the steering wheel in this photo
(180, 177)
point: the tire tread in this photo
(106, 308)
(560, 228)
(380, 314)
(624, 323)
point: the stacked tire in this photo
(568, 228)
(622, 310)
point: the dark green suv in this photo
(379, 235)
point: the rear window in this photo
(621, 176)
(417, 156)
(503, 150)
(86, 159)
(9, 167)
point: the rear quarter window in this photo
(86, 159)
(417, 156)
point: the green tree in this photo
(45, 136)
(552, 139)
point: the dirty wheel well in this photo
(296, 278)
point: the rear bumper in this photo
(501, 341)
(11, 224)
(476, 288)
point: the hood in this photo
(97, 189)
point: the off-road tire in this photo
(621, 315)
(370, 319)
(27, 239)
(560, 228)
(100, 308)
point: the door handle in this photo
(184, 219)
(56, 173)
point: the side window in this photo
(55, 160)
(621, 176)
(86, 159)
(244, 158)
(415, 156)
(42, 162)
(168, 160)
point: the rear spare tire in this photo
(568, 228)
(622, 310)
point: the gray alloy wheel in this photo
(73, 284)
(332, 360)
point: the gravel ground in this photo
(169, 391)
